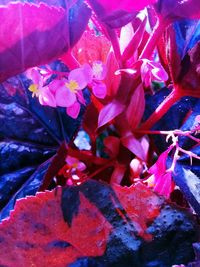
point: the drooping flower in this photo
(152, 71)
(161, 179)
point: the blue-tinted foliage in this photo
(30, 134)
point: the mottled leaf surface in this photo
(110, 226)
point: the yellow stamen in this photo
(72, 86)
(34, 89)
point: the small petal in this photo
(78, 76)
(87, 72)
(64, 97)
(99, 90)
(159, 73)
(80, 97)
(34, 75)
(56, 84)
(73, 110)
(47, 98)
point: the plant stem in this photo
(115, 45)
(161, 110)
(153, 39)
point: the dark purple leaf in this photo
(43, 34)
(196, 263)
(173, 119)
(116, 13)
(174, 10)
(187, 177)
(178, 49)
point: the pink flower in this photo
(45, 96)
(152, 71)
(68, 92)
(96, 74)
(161, 178)
(75, 164)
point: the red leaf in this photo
(134, 146)
(112, 81)
(90, 121)
(118, 173)
(135, 41)
(139, 198)
(90, 239)
(109, 112)
(112, 144)
(39, 233)
(136, 107)
(32, 231)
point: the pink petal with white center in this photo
(99, 70)
(99, 90)
(64, 97)
(47, 98)
(79, 76)
(73, 110)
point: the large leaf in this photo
(173, 10)
(30, 135)
(97, 225)
(179, 51)
(43, 34)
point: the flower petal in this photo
(99, 90)
(34, 75)
(55, 85)
(47, 98)
(64, 97)
(79, 76)
(87, 72)
(73, 110)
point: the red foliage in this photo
(37, 235)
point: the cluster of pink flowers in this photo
(67, 92)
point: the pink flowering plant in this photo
(106, 91)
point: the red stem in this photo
(161, 110)
(153, 39)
